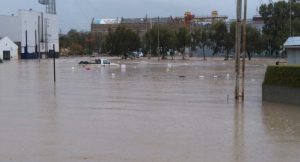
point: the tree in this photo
(200, 37)
(183, 40)
(122, 41)
(218, 36)
(254, 41)
(229, 42)
(277, 23)
(78, 43)
(167, 40)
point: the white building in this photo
(42, 30)
(8, 49)
(292, 45)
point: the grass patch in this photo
(287, 76)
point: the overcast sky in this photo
(78, 14)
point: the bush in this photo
(287, 76)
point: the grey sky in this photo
(79, 13)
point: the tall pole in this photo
(54, 69)
(290, 18)
(244, 49)
(238, 48)
(39, 41)
(158, 43)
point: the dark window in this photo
(6, 55)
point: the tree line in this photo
(281, 20)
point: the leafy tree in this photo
(183, 40)
(229, 42)
(277, 23)
(218, 36)
(122, 41)
(201, 39)
(167, 40)
(254, 41)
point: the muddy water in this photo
(147, 112)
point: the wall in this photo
(29, 23)
(279, 94)
(52, 27)
(293, 56)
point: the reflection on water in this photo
(142, 111)
(282, 121)
(239, 133)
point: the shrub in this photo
(288, 76)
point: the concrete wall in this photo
(29, 23)
(7, 45)
(47, 30)
(51, 26)
(293, 56)
(280, 94)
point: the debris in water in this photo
(201, 77)
(228, 76)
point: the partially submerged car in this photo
(97, 62)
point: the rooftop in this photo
(292, 42)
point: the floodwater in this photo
(148, 111)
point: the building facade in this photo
(8, 49)
(34, 32)
(292, 46)
(139, 25)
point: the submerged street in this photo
(143, 110)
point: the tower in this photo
(50, 6)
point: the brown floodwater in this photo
(148, 111)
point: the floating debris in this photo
(201, 77)
(123, 66)
(227, 76)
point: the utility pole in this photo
(290, 18)
(158, 43)
(244, 49)
(238, 48)
(54, 68)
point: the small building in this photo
(292, 46)
(8, 49)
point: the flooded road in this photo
(148, 111)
